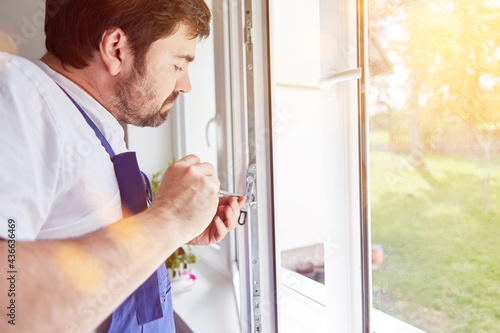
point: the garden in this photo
(439, 227)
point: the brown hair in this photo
(74, 28)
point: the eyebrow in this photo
(187, 57)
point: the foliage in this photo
(452, 50)
(179, 260)
(454, 54)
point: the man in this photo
(83, 250)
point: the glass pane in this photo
(435, 162)
(297, 135)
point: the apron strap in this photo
(112, 155)
(97, 132)
(144, 305)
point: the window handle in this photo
(213, 120)
(328, 81)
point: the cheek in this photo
(165, 84)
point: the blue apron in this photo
(149, 308)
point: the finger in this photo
(241, 201)
(227, 200)
(220, 210)
(220, 229)
(231, 218)
(228, 215)
(235, 202)
(235, 205)
(190, 159)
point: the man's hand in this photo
(224, 221)
(71, 274)
(188, 195)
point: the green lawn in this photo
(442, 250)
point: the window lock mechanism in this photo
(249, 194)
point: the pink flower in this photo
(191, 275)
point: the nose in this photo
(183, 84)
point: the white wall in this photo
(22, 21)
(155, 147)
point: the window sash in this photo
(344, 277)
(345, 304)
(260, 148)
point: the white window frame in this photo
(218, 256)
(259, 37)
(345, 304)
(344, 274)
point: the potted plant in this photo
(178, 264)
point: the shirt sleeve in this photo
(30, 152)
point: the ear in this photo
(114, 50)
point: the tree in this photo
(452, 51)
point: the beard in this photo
(136, 102)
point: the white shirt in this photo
(56, 179)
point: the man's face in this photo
(145, 99)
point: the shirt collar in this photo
(107, 123)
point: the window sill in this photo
(209, 306)
(300, 314)
(384, 323)
(303, 309)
